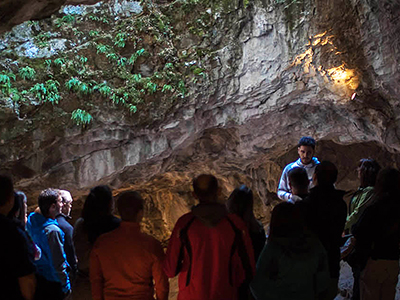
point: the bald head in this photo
(67, 202)
(130, 206)
(205, 188)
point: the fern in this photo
(27, 73)
(166, 87)
(5, 82)
(47, 63)
(136, 55)
(182, 88)
(112, 56)
(59, 62)
(132, 108)
(94, 18)
(83, 59)
(77, 86)
(103, 89)
(93, 33)
(122, 61)
(81, 117)
(168, 66)
(46, 92)
(67, 19)
(120, 39)
(151, 87)
(103, 48)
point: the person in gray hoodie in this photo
(306, 151)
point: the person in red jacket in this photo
(125, 262)
(210, 249)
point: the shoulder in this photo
(238, 222)
(152, 243)
(289, 166)
(106, 238)
(182, 221)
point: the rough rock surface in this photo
(279, 70)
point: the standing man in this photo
(53, 280)
(210, 249)
(325, 215)
(306, 151)
(67, 228)
(17, 277)
(125, 262)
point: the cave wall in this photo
(277, 70)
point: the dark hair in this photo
(6, 189)
(240, 203)
(326, 173)
(205, 187)
(306, 141)
(286, 221)
(129, 204)
(387, 184)
(99, 203)
(298, 178)
(19, 200)
(47, 198)
(369, 170)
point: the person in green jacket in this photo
(367, 170)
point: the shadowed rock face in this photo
(15, 12)
(278, 71)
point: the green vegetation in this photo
(46, 92)
(81, 117)
(27, 73)
(125, 63)
(5, 83)
(65, 20)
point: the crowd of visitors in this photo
(219, 251)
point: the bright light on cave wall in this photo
(343, 80)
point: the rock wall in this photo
(276, 70)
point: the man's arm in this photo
(27, 285)
(96, 276)
(59, 260)
(161, 280)
(284, 192)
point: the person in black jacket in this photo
(68, 230)
(325, 216)
(377, 235)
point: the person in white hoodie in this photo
(306, 151)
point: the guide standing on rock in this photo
(306, 151)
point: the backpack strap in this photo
(238, 244)
(185, 244)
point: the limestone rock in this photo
(274, 71)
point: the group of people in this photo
(218, 250)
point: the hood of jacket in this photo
(210, 214)
(37, 222)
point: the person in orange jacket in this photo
(124, 262)
(209, 248)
